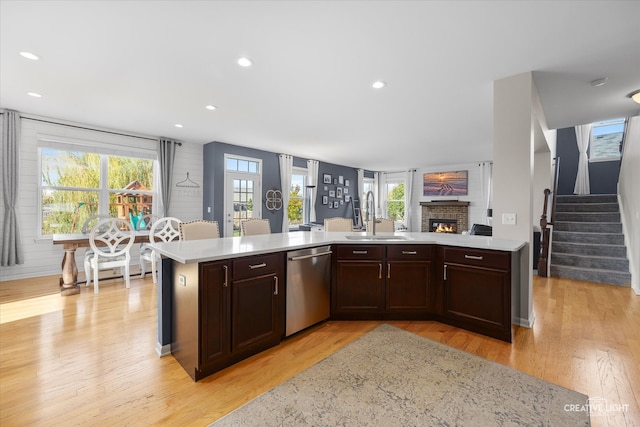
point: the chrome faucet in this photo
(372, 212)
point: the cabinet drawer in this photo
(409, 252)
(478, 258)
(360, 252)
(257, 266)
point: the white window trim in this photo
(229, 174)
(390, 179)
(70, 144)
(591, 137)
(297, 170)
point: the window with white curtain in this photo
(368, 184)
(396, 199)
(297, 197)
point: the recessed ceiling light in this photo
(599, 82)
(245, 62)
(178, 125)
(30, 55)
(378, 84)
(635, 96)
(34, 94)
(210, 107)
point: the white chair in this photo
(87, 225)
(90, 222)
(163, 230)
(199, 229)
(338, 224)
(111, 240)
(255, 226)
(383, 225)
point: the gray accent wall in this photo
(603, 176)
(213, 185)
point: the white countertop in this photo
(232, 247)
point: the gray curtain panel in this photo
(12, 252)
(166, 158)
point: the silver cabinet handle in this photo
(478, 257)
(226, 276)
(409, 252)
(380, 271)
(388, 271)
(360, 252)
(275, 279)
(253, 266)
(445, 272)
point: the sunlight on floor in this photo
(23, 309)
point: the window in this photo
(242, 165)
(297, 209)
(605, 141)
(395, 199)
(75, 185)
(368, 184)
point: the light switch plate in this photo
(182, 280)
(509, 219)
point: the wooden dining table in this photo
(72, 241)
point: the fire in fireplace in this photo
(443, 225)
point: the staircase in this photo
(587, 242)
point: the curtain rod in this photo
(91, 129)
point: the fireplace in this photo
(446, 212)
(437, 225)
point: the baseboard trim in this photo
(163, 350)
(526, 323)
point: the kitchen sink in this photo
(376, 237)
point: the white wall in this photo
(41, 256)
(514, 124)
(629, 194)
(477, 206)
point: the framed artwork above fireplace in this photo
(454, 183)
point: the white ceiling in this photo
(142, 66)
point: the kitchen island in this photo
(222, 300)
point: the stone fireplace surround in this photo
(445, 209)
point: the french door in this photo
(243, 200)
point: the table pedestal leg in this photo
(69, 279)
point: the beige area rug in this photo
(391, 377)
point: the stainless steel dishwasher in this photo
(308, 282)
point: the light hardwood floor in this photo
(90, 359)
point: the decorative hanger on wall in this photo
(187, 183)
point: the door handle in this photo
(380, 271)
(388, 271)
(275, 280)
(445, 272)
(226, 276)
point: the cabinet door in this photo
(478, 299)
(359, 287)
(255, 313)
(407, 286)
(214, 312)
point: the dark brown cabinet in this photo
(408, 278)
(226, 311)
(358, 285)
(215, 314)
(378, 281)
(257, 303)
(477, 291)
